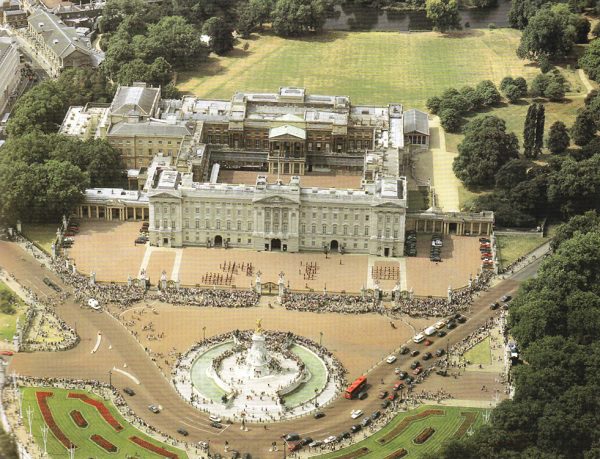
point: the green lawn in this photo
(370, 67)
(42, 234)
(512, 247)
(445, 429)
(8, 322)
(61, 406)
(480, 353)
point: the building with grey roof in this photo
(416, 128)
(10, 70)
(58, 44)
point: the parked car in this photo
(391, 359)
(409, 380)
(402, 375)
(215, 418)
(430, 331)
(417, 371)
(375, 415)
(439, 352)
(318, 415)
(442, 333)
(427, 342)
(506, 298)
(52, 285)
(399, 385)
(440, 324)
(419, 338)
(5, 352)
(154, 409)
(344, 435)
(306, 441)
(362, 395)
(129, 391)
(427, 356)
(392, 396)
(382, 394)
(415, 364)
(355, 414)
(330, 439)
(141, 240)
(365, 422)
(315, 443)
(216, 425)
(404, 350)
(355, 428)
(461, 319)
(291, 437)
(385, 404)
(414, 353)
(451, 324)
(494, 306)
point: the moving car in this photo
(494, 306)
(330, 439)
(52, 285)
(318, 415)
(391, 358)
(419, 338)
(9, 353)
(506, 298)
(155, 409)
(442, 333)
(182, 431)
(291, 437)
(430, 331)
(355, 414)
(129, 391)
(315, 443)
(362, 395)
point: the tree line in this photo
(555, 319)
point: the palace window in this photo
(239, 225)
(345, 230)
(186, 223)
(218, 224)
(249, 226)
(267, 227)
(366, 230)
(313, 229)
(334, 229)
(207, 224)
(324, 229)
(197, 224)
(228, 225)
(356, 230)
(285, 227)
(395, 234)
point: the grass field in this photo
(445, 427)
(512, 247)
(370, 67)
(61, 406)
(42, 234)
(480, 354)
(8, 322)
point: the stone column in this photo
(92, 278)
(163, 281)
(281, 285)
(129, 281)
(257, 283)
(74, 269)
(449, 294)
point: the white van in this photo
(430, 331)
(419, 338)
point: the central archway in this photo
(275, 244)
(334, 245)
(218, 241)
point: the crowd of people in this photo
(441, 307)
(87, 288)
(475, 337)
(323, 302)
(195, 296)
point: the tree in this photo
(488, 93)
(555, 91)
(540, 120)
(64, 185)
(252, 14)
(596, 30)
(558, 138)
(220, 33)
(511, 174)
(546, 34)
(297, 17)
(584, 128)
(443, 14)
(433, 104)
(450, 120)
(590, 60)
(8, 446)
(513, 89)
(485, 148)
(585, 223)
(529, 131)
(575, 188)
(539, 85)
(176, 40)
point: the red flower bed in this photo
(78, 419)
(424, 435)
(103, 443)
(104, 412)
(49, 419)
(398, 454)
(155, 449)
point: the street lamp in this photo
(204, 333)
(110, 378)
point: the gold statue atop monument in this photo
(258, 326)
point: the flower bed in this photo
(49, 419)
(424, 435)
(104, 412)
(103, 443)
(155, 449)
(397, 454)
(466, 424)
(407, 421)
(78, 419)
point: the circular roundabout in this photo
(258, 376)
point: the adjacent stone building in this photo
(10, 70)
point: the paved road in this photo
(80, 363)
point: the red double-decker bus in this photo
(354, 388)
